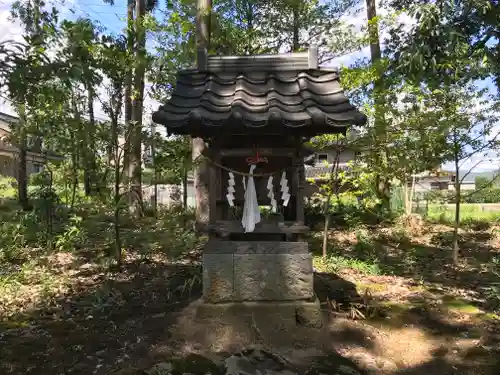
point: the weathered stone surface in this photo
(215, 246)
(129, 371)
(257, 271)
(309, 314)
(276, 277)
(253, 362)
(218, 277)
(268, 317)
(257, 362)
(333, 364)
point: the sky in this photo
(112, 18)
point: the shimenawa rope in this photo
(241, 173)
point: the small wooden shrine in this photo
(255, 113)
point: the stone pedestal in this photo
(260, 276)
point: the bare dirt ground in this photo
(415, 315)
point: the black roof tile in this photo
(277, 90)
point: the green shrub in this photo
(18, 233)
(8, 187)
(488, 195)
(336, 263)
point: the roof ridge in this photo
(267, 62)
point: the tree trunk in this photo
(327, 224)
(296, 27)
(137, 109)
(202, 195)
(50, 213)
(116, 216)
(22, 175)
(405, 193)
(334, 176)
(74, 167)
(412, 192)
(380, 141)
(201, 175)
(456, 249)
(128, 82)
(90, 162)
(184, 188)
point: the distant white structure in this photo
(439, 181)
(169, 194)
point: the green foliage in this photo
(397, 200)
(449, 41)
(488, 195)
(18, 234)
(336, 263)
(172, 159)
(72, 234)
(8, 187)
(494, 288)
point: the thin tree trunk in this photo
(184, 188)
(296, 27)
(137, 108)
(405, 193)
(456, 249)
(91, 162)
(155, 168)
(75, 152)
(128, 82)
(117, 156)
(334, 181)
(381, 180)
(50, 209)
(116, 216)
(22, 175)
(412, 192)
(326, 228)
(250, 26)
(74, 166)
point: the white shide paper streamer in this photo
(270, 187)
(251, 211)
(230, 189)
(285, 196)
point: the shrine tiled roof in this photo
(240, 94)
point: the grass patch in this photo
(470, 214)
(459, 305)
(28, 286)
(335, 263)
(371, 287)
(490, 317)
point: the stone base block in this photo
(241, 271)
(264, 316)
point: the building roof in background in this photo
(5, 120)
(244, 94)
(321, 171)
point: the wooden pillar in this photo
(299, 182)
(298, 188)
(213, 194)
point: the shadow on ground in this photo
(147, 314)
(104, 322)
(396, 254)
